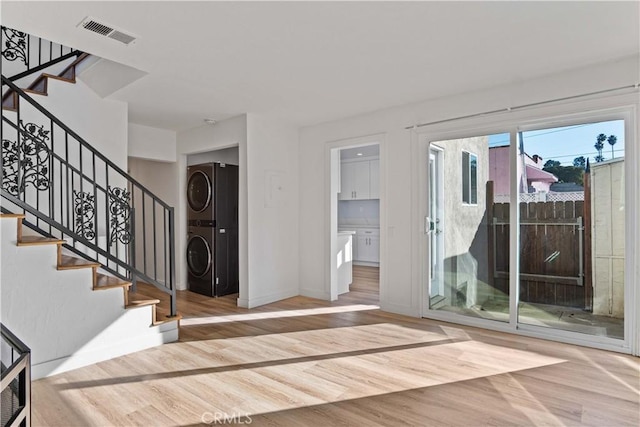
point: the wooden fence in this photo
(554, 250)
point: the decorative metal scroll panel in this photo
(27, 160)
(85, 214)
(15, 46)
(120, 213)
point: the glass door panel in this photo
(572, 228)
(467, 226)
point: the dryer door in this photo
(198, 256)
(199, 191)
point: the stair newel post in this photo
(132, 250)
(172, 261)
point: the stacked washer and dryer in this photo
(212, 224)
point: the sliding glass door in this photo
(460, 226)
(560, 190)
(572, 228)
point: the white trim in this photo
(267, 299)
(469, 183)
(84, 358)
(514, 230)
(332, 158)
(587, 110)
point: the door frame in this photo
(615, 107)
(332, 187)
(437, 153)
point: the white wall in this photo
(224, 134)
(160, 179)
(272, 182)
(399, 230)
(230, 156)
(103, 123)
(152, 143)
(61, 318)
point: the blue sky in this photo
(566, 143)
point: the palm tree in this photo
(599, 146)
(612, 141)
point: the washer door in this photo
(198, 256)
(199, 191)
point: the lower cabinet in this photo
(367, 246)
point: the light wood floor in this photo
(308, 362)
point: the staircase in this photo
(79, 218)
(40, 85)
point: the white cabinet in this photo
(345, 261)
(367, 246)
(374, 179)
(359, 180)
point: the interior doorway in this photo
(357, 219)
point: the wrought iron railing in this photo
(71, 191)
(16, 380)
(24, 53)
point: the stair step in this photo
(39, 85)
(35, 92)
(10, 101)
(177, 318)
(109, 282)
(11, 215)
(71, 263)
(142, 303)
(38, 240)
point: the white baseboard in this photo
(366, 263)
(400, 309)
(267, 299)
(80, 359)
(314, 293)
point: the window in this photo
(469, 178)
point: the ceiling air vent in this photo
(106, 30)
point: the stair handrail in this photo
(130, 266)
(34, 52)
(17, 373)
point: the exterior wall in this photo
(608, 235)
(465, 236)
(500, 172)
(499, 169)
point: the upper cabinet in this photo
(374, 179)
(359, 180)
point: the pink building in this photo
(537, 180)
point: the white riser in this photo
(57, 314)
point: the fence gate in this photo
(552, 253)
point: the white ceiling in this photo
(311, 62)
(364, 151)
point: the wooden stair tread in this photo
(64, 79)
(38, 240)
(12, 215)
(109, 282)
(177, 317)
(35, 92)
(69, 263)
(142, 303)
